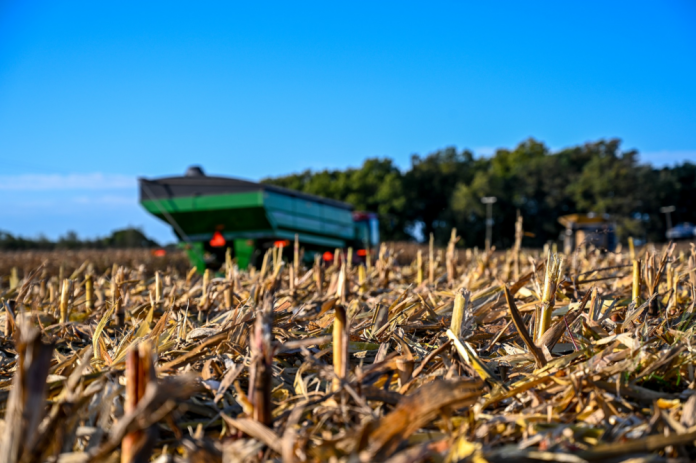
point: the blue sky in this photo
(94, 94)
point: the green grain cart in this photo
(211, 214)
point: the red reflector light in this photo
(327, 256)
(362, 252)
(281, 243)
(218, 240)
(159, 253)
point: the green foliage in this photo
(129, 238)
(444, 189)
(376, 187)
(430, 184)
(125, 238)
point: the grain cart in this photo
(210, 214)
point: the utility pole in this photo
(488, 201)
(667, 211)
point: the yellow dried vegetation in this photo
(521, 355)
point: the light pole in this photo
(667, 211)
(488, 201)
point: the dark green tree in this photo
(429, 185)
(377, 186)
(444, 189)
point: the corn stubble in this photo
(414, 355)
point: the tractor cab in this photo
(366, 232)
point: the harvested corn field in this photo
(455, 356)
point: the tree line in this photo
(125, 238)
(444, 190)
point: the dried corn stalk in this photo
(285, 370)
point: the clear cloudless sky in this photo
(96, 93)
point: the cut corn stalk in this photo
(64, 300)
(554, 271)
(340, 347)
(461, 302)
(379, 378)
